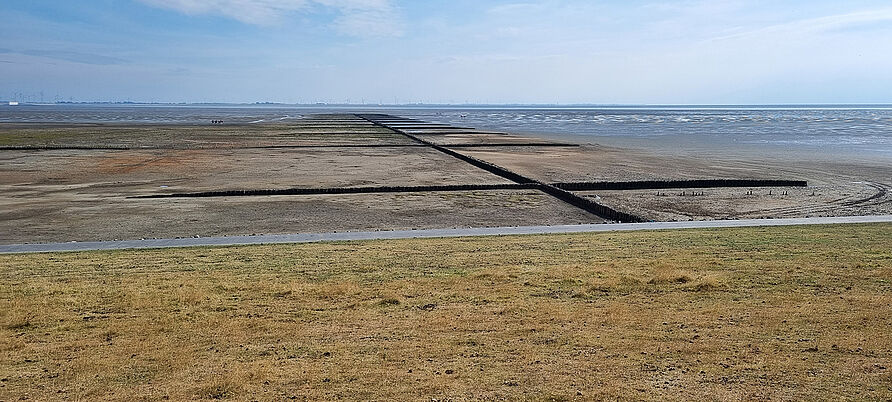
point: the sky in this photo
(448, 51)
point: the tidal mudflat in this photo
(63, 182)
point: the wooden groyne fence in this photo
(342, 190)
(667, 184)
(562, 191)
(561, 194)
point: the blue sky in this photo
(442, 51)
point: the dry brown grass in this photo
(758, 313)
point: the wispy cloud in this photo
(369, 22)
(356, 17)
(247, 11)
(515, 51)
(818, 25)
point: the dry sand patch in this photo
(140, 172)
(186, 136)
(86, 218)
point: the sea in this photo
(859, 128)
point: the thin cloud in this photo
(368, 23)
(247, 11)
(816, 25)
(356, 17)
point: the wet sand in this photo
(836, 187)
(841, 181)
(53, 189)
(65, 192)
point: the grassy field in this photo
(754, 313)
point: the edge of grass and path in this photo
(794, 312)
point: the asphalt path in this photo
(425, 233)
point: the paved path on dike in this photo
(425, 233)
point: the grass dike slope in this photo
(746, 313)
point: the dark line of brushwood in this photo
(448, 133)
(345, 190)
(67, 147)
(564, 195)
(137, 148)
(113, 148)
(589, 205)
(344, 129)
(506, 144)
(490, 167)
(446, 128)
(556, 189)
(666, 184)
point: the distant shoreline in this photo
(473, 106)
(842, 130)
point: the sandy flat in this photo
(97, 218)
(143, 172)
(82, 194)
(836, 186)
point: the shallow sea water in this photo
(866, 128)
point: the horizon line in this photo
(421, 104)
